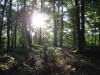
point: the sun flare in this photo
(37, 20)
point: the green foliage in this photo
(3, 43)
(48, 55)
(7, 62)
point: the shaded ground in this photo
(61, 62)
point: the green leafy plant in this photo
(9, 62)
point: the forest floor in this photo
(35, 62)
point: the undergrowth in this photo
(47, 60)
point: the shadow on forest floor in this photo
(61, 62)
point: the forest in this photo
(49, 37)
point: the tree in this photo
(1, 26)
(25, 25)
(8, 26)
(62, 27)
(82, 24)
(78, 25)
(55, 26)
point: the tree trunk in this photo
(62, 27)
(78, 25)
(2, 21)
(11, 36)
(58, 20)
(40, 28)
(99, 36)
(82, 25)
(14, 35)
(25, 25)
(40, 36)
(55, 26)
(8, 26)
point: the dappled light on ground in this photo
(50, 61)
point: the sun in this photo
(37, 20)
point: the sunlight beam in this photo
(37, 20)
